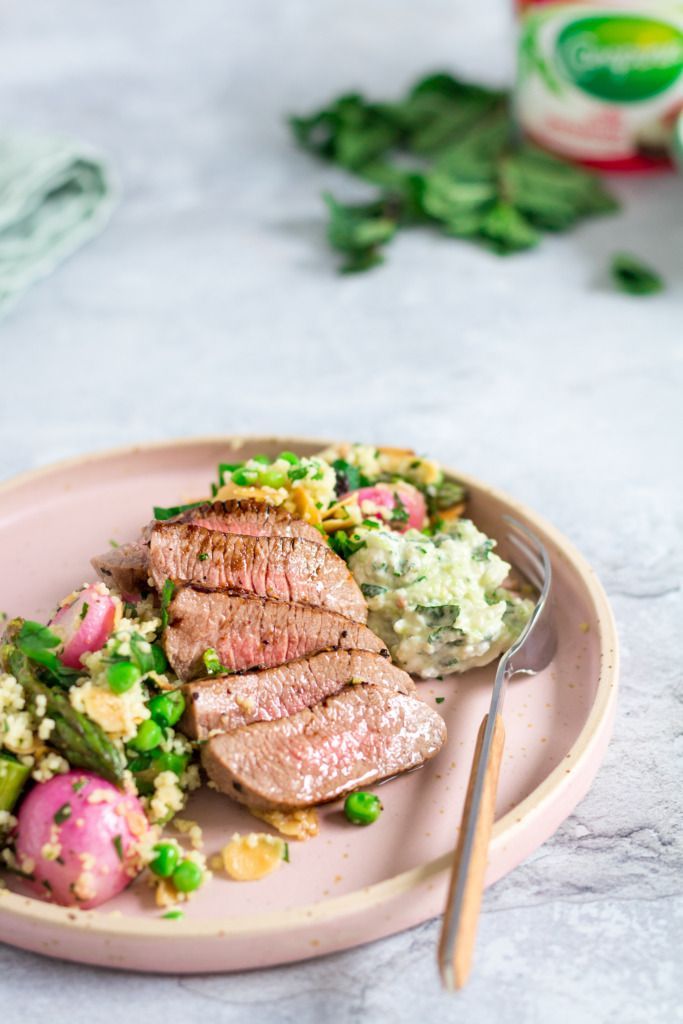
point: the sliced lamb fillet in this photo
(127, 567)
(359, 736)
(282, 568)
(253, 632)
(223, 703)
(249, 518)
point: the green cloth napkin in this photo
(54, 196)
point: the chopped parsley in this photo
(483, 552)
(78, 785)
(84, 610)
(212, 663)
(118, 846)
(62, 814)
(372, 589)
(203, 557)
(439, 700)
(285, 853)
(173, 915)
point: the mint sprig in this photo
(446, 155)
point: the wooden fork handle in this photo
(468, 914)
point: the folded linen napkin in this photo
(55, 195)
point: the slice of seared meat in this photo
(226, 702)
(248, 631)
(251, 519)
(359, 736)
(281, 568)
(125, 567)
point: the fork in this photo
(530, 653)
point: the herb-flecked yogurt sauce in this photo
(437, 601)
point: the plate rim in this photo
(29, 909)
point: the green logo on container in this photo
(622, 58)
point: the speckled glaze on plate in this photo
(348, 886)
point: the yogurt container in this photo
(602, 82)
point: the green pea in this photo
(263, 459)
(167, 708)
(148, 736)
(169, 762)
(289, 457)
(245, 477)
(187, 876)
(121, 675)
(362, 808)
(166, 860)
(272, 478)
(159, 659)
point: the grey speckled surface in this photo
(210, 306)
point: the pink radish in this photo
(85, 624)
(77, 836)
(384, 499)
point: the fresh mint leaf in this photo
(552, 193)
(351, 131)
(37, 642)
(143, 659)
(399, 513)
(33, 636)
(447, 153)
(344, 544)
(445, 495)
(458, 204)
(359, 231)
(507, 230)
(348, 476)
(442, 616)
(634, 277)
(162, 514)
(167, 592)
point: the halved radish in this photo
(400, 505)
(79, 836)
(84, 624)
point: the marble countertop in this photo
(210, 305)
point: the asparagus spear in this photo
(82, 742)
(13, 775)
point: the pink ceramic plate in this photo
(348, 886)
